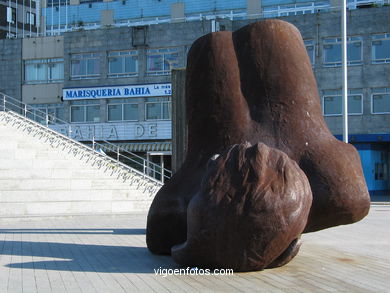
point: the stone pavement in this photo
(108, 254)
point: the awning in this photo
(143, 146)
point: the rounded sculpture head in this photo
(253, 203)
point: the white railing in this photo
(269, 12)
(113, 155)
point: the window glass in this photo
(153, 110)
(355, 104)
(122, 110)
(77, 114)
(332, 105)
(332, 51)
(29, 72)
(30, 114)
(171, 61)
(30, 18)
(381, 103)
(43, 70)
(85, 111)
(380, 49)
(332, 54)
(131, 65)
(56, 71)
(93, 113)
(60, 114)
(92, 67)
(78, 68)
(155, 63)
(11, 15)
(130, 112)
(123, 63)
(85, 66)
(158, 108)
(162, 61)
(54, 113)
(381, 171)
(354, 52)
(309, 44)
(166, 110)
(115, 65)
(114, 112)
(332, 102)
(40, 115)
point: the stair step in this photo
(39, 179)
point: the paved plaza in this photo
(108, 254)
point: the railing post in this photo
(144, 164)
(25, 110)
(117, 154)
(93, 142)
(162, 169)
(3, 102)
(148, 166)
(47, 120)
(69, 131)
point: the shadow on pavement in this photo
(75, 231)
(85, 257)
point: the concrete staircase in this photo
(43, 173)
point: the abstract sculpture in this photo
(246, 195)
(255, 85)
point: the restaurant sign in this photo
(125, 91)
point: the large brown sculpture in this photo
(257, 85)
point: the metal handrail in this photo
(103, 147)
(143, 183)
(232, 14)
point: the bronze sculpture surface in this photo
(256, 85)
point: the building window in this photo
(332, 51)
(381, 171)
(11, 15)
(43, 70)
(122, 63)
(162, 61)
(332, 104)
(122, 110)
(380, 101)
(309, 44)
(46, 113)
(57, 2)
(158, 109)
(380, 48)
(85, 66)
(30, 18)
(85, 111)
